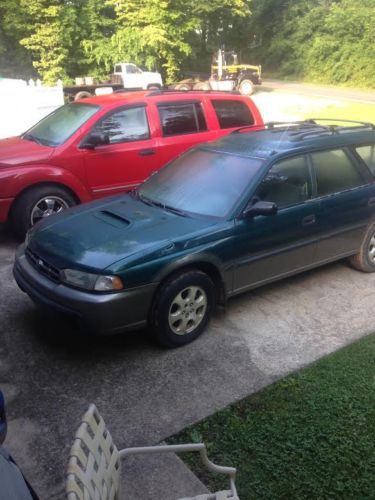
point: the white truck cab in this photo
(134, 78)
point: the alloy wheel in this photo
(47, 206)
(187, 310)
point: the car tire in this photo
(32, 206)
(364, 260)
(182, 308)
(83, 94)
(202, 86)
(183, 86)
(246, 87)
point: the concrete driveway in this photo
(50, 373)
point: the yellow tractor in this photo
(226, 74)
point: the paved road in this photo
(50, 372)
(363, 96)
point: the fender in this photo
(223, 276)
(14, 180)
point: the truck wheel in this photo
(202, 86)
(36, 204)
(82, 95)
(153, 86)
(246, 87)
(182, 86)
(182, 308)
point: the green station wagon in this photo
(226, 217)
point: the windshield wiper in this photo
(145, 200)
(176, 211)
(159, 204)
(32, 138)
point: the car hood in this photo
(97, 235)
(17, 151)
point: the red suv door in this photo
(183, 124)
(129, 158)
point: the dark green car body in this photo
(323, 215)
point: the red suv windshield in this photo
(57, 127)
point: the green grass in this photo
(310, 435)
(280, 76)
(349, 111)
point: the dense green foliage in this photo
(321, 40)
(330, 41)
(310, 435)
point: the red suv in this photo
(105, 145)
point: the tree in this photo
(15, 60)
(162, 34)
(46, 39)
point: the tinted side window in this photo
(181, 118)
(335, 172)
(287, 183)
(232, 113)
(125, 125)
(367, 153)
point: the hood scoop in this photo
(113, 218)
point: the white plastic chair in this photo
(95, 463)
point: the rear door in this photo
(347, 201)
(232, 114)
(183, 124)
(129, 158)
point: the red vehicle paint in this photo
(134, 134)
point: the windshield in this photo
(57, 127)
(201, 182)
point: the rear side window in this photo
(181, 118)
(335, 172)
(367, 153)
(128, 124)
(232, 113)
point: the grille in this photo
(42, 266)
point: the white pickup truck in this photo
(134, 78)
(125, 76)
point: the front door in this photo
(130, 157)
(269, 247)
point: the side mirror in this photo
(260, 208)
(95, 139)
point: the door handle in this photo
(308, 220)
(371, 202)
(147, 152)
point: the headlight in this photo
(28, 236)
(91, 281)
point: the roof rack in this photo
(124, 90)
(272, 125)
(187, 91)
(304, 128)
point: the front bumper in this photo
(105, 312)
(5, 204)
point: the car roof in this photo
(300, 137)
(128, 97)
